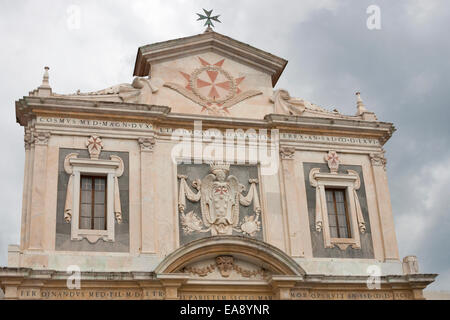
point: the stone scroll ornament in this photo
(220, 197)
(213, 88)
(94, 145)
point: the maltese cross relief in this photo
(212, 87)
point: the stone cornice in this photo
(382, 130)
(400, 281)
(28, 107)
(209, 41)
(352, 127)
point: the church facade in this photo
(200, 181)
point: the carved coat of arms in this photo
(220, 196)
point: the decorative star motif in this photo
(333, 161)
(95, 146)
(208, 18)
(211, 82)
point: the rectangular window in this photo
(337, 213)
(93, 203)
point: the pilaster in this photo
(148, 221)
(172, 283)
(384, 206)
(11, 289)
(290, 201)
(282, 285)
(26, 187)
(38, 190)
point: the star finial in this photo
(209, 19)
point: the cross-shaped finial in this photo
(208, 18)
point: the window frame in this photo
(347, 219)
(111, 169)
(349, 182)
(93, 203)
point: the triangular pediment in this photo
(209, 41)
(211, 83)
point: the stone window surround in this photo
(112, 169)
(350, 182)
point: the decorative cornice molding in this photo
(26, 111)
(25, 108)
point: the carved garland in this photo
(225, 264)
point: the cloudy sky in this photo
(400, 70)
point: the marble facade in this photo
(190, 216)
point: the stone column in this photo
(38, 191)
(290, 195)
(148, 223)
(384, 206)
